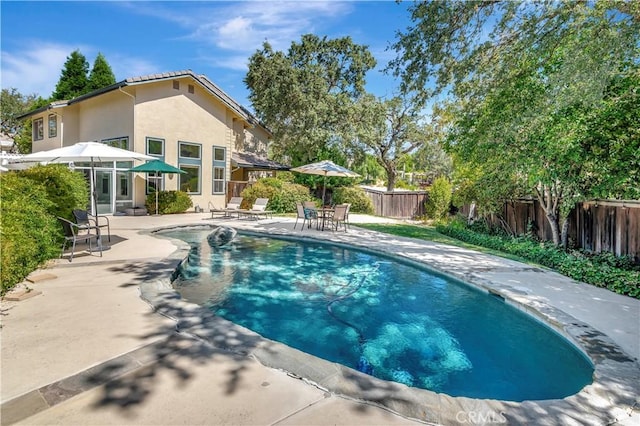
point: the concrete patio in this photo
(90, 350)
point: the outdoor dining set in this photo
(326, 217)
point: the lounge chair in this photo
(258, 209)
(233, 206)
(72, 233)
(85, 220)
(306, 214)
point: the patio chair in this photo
(84, 221)
(233, 206)
(72, 233)
(306, 214)
(340, 216)
(258, 209)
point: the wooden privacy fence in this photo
(397, 204)
(598, 225)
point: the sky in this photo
(214, 38)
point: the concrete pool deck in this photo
(89, 350)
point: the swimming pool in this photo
(383, 317)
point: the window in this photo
(189, 150)
(191, 88)
(218, 154)
(190, 160)
(218, 180)
(219, 170)
(176, 84)
(155, 182)
(122, 143)
(190, 181)
(38, 129)
(155, 147)
(53, 125)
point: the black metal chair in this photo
(84, 220)
(71, 233)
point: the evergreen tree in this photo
(101, 74)
(73, 80)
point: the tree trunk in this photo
(472, 214)
(564, 237)
(555, 228)
(549, 200)
(391, 179)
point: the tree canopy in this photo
(76, 80)
(304, 95)
(73, 80)
(101, 74)
(13, 104)
(529, 83)
(390, 129)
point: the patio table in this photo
(325, 214)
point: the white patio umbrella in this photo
(86, 152)
(325, 168)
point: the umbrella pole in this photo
(324, 188)
(94, 200)
(157, 184)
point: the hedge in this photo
(617, 274)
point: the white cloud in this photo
(239, 28)
(36, 69)
(245, 26)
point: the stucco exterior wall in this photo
(159, 109)
(106, 117)
(175, 115)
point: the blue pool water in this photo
(383, 317)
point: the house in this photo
(179, 117)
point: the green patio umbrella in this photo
(156, 166)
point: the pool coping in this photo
(611, 397)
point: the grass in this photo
(428, 233)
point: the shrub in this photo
(29, 234)
(66, 189)
(437, 205)
(617, 274)
(282, 195)
(169, 202)
(403, 184)
(360, 201)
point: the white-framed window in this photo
(155, 181)
(190, 161)
(190, 180)
(38, 129)
(121, 142)
(190, 150)
(219, 170)
(155, 147)
(53, 125)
